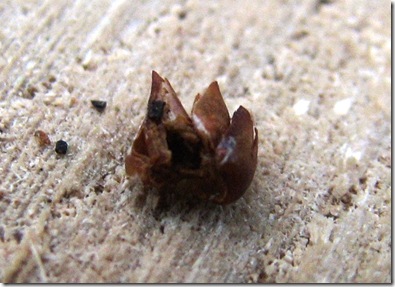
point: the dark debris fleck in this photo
(31, 92)
(99, 105)
(182, 15)
(18, 235)
(61, 147)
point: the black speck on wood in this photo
(61, 147)
(99, 105)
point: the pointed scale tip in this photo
(156, 77)
(241, 122)
(156, 84)
(210, 114)
(214, 85)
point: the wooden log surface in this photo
(315, 75)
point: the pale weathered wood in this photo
(316, 76)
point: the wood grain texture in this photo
(316, 76)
